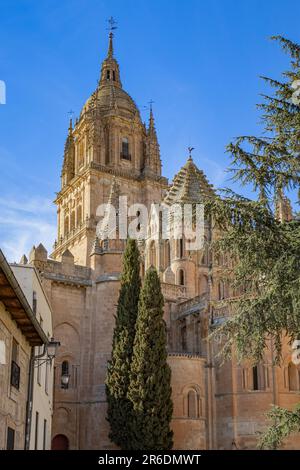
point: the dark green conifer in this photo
(267, 250)
(117, 380)
(150, 389)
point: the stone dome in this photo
(108, 97)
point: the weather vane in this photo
(112, 24)
(190, 149)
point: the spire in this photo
(68, 169)
(110, 52)
(110, 74)
(151, 119)
(152, 164)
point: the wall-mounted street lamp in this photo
(47, 356)
(49, 351)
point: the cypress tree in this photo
(117, 380)
(150, 389)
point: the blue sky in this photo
(199, 61)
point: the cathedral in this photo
(109, 152)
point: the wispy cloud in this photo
(216, 173)
(25, 222)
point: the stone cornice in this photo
(128, 174)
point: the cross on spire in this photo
(151, 103)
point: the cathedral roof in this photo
(189, 185)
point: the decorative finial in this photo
(111, 28)
(190, 149)
(71, 112)
(151, 120)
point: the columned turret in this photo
(110, 73)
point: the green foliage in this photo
(284, 422)
(117, 380)
(266, 273)
(150, 389)
(271, 162)
(266, 252)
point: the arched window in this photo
(221, 290)
(72, 226)
(138, 227)
(168, 253)
(293, 376)
(80, 152)
(152, 254)
(107, 74)
(183, 336)
(60, 442)
(64, 374)
(192, 400)
(34, 302)
(258, 377)
(66, 225)
(181, 248)
(160, 224)
(125, 149)
(79, 215)
(114, 76)
(204, 259)
(181, 280)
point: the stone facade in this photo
(42, 408)
(111, 153)
(19, 334)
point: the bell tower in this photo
(108, 143)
